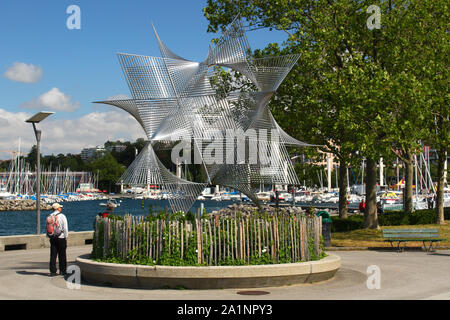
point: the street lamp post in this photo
(38, 117)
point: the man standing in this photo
(58, 242)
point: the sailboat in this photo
(111, 202)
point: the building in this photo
(92, 153)
(116, 148)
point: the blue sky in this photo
(75, 67)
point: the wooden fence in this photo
(215, 240)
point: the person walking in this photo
(58, 240)
(362, 206)
(430, 202)
(380, 209)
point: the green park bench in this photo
(405, 235)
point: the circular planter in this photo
(214, 277)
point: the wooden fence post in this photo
(199, 248)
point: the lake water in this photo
(81, 214)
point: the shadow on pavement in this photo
(29, 265)
(440, 254)
(395, 249)
(33, 273)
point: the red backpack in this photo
(53, 227)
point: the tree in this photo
(411, 49)
(72, 162)
(109, 171)
(31, 158)
(318, 100)
(4, 164)
(139, 144)
(354, 89)
(434, 72)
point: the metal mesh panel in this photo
(166, 52)
(233, 46)
(147, 77)
(181, 73)
(154, 112)
(129, 106)
(270, 72)
(147, 169)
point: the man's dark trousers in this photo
(58, 248)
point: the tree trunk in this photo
(408, 192)
(343, 212)
(370, 212)
(440, 187)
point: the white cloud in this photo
(22, 72)
(52, 100)
(66, 135)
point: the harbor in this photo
(83, 200)
(81, 209)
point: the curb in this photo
(212, 277)
(38, 241)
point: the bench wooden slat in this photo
(406, 235)
(412, 235)
(410, 230)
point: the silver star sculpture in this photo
(175, 99)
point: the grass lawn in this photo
(373, 238)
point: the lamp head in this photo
(38, 117)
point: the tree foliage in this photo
(358, 92)
(108, 169)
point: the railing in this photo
(209, 240)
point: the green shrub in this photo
(159, 240)
(389, 218)
(351, 223)
(393, 218)
(398, 218)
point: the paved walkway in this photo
(407, 275)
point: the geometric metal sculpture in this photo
(174, 99)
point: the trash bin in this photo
(326, 227)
